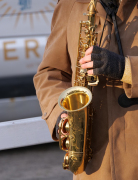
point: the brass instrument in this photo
(75, 130)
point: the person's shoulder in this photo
(83, 1)
(66, 3)
(63, 9)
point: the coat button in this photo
(109, 38)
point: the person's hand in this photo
(100, 61)
(86, 62)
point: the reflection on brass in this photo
(75, 101)
(75, 131)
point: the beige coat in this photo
(115, 129)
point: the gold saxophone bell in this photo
(75, 131)
(75, 101)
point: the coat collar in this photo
(100, 9)
(125, 9)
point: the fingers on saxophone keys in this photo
(89, 51)
(90, 72)
(87, 65)
(85, 59)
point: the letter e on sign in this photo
(31, 45)
(8, 50)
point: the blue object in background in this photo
(25, 4)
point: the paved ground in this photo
(42, 162)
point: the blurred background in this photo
(27, 150)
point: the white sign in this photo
(25, 27)
(20, 56)
(25, 17)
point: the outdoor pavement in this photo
(41, 162)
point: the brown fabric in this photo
(115, 135)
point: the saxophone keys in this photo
(65, 166)
(86, 31)
(85, 46)
(66, 162)
(67, 127)
(83, 71)
(67, 143)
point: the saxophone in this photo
(75, 131)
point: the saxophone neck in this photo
(92, 7)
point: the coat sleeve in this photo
(54, 73)
(131, 90)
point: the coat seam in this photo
(112, 146)
(125, 132)
(113, 154)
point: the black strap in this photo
(117, 34)
(111, 10)
(102, 31)
(109, 6)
